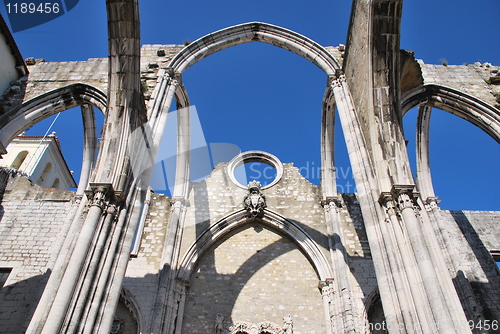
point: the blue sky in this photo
(260, 97)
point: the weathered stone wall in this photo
(467, 236)
(47, 76)
(141, 279)
(357, 63)
(253, 275)
(33, 224)
(481, 80)
(485, 224)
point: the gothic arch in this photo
(460, 104)
(463, 105)
(48, 104)
(51, 103)
(19, 160)
(239, 218)
(131, 310)
(240, 34)
(233, 222)
(250, 32)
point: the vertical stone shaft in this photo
(126, 110)
(401, 283)
(366, 185)
(417, 301)
(58, 267)
(89, 150)
(66, 289)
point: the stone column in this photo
(435, 279)
(327, 292)
(68, 284)
(89, 147)
(345, 316)
(92, 266)
(368, 194)
(414, 307)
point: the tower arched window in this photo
(45, 174)
(18, 161)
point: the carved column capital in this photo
(404, 196)
(331, 202)
(431, 203)
(175, 76)
(99, 193)
(178, 203)
(386, 200)
(326, 287)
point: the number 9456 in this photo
(484, 324)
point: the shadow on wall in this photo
(479, 299)
(18, 302)
(259, 275)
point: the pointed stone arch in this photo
(255, 32)
(58, 100)
(291, 236)
(271, 219)
(465, 106)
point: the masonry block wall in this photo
(253, 274)
(33, 226)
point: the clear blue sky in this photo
(260, 97)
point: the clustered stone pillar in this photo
(415, 287)
(344, 315)
(72, 280)
(423, 288)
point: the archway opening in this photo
(247, 276)
(260, 97)
(69, 130)
(45, 174)
(463, 161)
(18, 161)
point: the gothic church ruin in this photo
(219, 256)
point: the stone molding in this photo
(255, 201)
(255, 31)
(255, 156)
(270, 218)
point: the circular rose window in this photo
(262, 166)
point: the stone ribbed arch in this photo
(240, 218)
(465, 106)
(41, 107)
(255, 32)
(271, 219)
(328, 170)
(170, 83)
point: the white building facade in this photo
(41, 159)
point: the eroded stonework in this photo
(216, 257)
